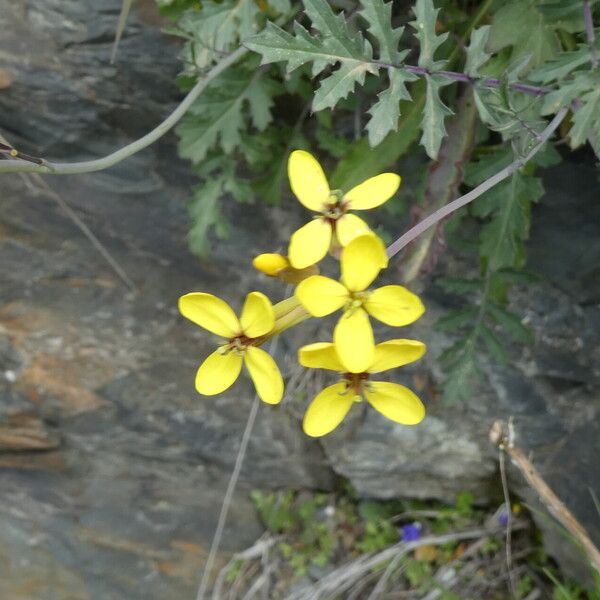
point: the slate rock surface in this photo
(112, 469)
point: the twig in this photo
(214, 547)
(88, 166)
(255, 551)
(343, 577)
(87, 232)
(499, 436)
(589, 32)
(507, 508)
(37, 180)
(443, 212)
(448, 574)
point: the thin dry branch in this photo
(88, 166)
(501, 435)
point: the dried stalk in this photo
(502, 436)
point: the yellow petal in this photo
(349, 226)
(210, 312)
(395, 402)
(373, 192)
(265, 375)
(396, 353)
(361, 262)
(307, 180)
(394, 305)
(309, 244)
(321, 355)
(327, 410)
(320, 295)
(257, 316)
(218, 372)
(270, 263)
(354, 342)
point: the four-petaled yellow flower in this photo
(310, 243)
(392, 400)
(361, 261)
(220, 370)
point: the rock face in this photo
(112, 469)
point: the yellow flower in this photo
(220, 370)
(310, 243)
(277, 265)
(392, 400)
(361, 262)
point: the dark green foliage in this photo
(505, 214)
(352, 83)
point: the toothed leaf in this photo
(434, 114)
(386, 111)
(424, 24)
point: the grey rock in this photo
(123, 502)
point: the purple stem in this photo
(589, 31)
(443, 212)
(456, 76)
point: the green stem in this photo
(19, 166)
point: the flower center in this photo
(356, 301)
(355, 382)
(335, 207)
(237, 344)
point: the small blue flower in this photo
(411, 532)
(503, 518)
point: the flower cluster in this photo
(352, 352)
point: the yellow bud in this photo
(277, 265)
(270, 264)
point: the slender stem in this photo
(508, 509)
(235, 475)
(589, 31)
(233, 480)
(14, 166)
(453, 206)
(502, 436)
(492, 82)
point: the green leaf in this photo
(331, 142)
(217, 118)
(386, 111)
(424, 24)
(281, 7)
(562, 65)
(339, 84)
(363, 161)
(335, 26)
(566, 93)
(460, 319)
(476, 53)
(517, 276)
(521, 25)
(503, 237)
(462, 371)
(435, 112)
(510, 323)
(334, 45)
(586, 121)
(206, 215)
(379, 17)
(493, 345)
(564, 14)
(487, 165)
(217, 28)
(459, 285)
